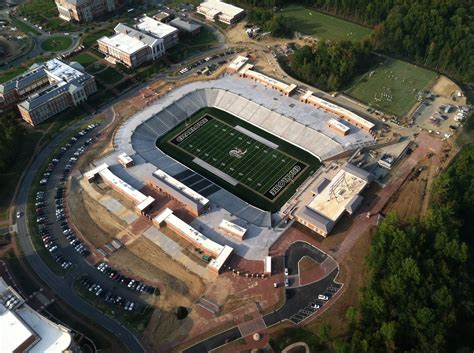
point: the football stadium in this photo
(256, 166)
(241, 151)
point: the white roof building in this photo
(159, 30)
(156, 28)
(124, 43)
(22, 329)
(216, 10)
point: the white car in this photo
(322, 297)
(315, 306)
(287, 282)
(18, 214)
(286, 271)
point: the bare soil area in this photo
(145, 260)
(91, 218)
(445, 87)
(352, 274)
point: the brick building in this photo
(85, 10)
(47, 89)
(130, 46)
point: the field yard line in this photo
(273, 180)
(201, 141)
(271, 171)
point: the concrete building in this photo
(131, 47)
(341, 112)
(232, 229)
(247, 71)
(195, 203)
(186, 27)
(85, 10)
(237, 64)
(22, 329)
(339, 127)
(142, 202)
(216, 10)
(220, 253)
(168, 34)
(47, 89)
(331, 200)
(125, 160)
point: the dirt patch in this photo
(91, 218)
(162, 330)
(445, 87)
(408, 200)
(352, 274)
(146, 260)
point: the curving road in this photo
(63, 286)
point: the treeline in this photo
(330, 66)
(278, 26)
(10, 138)
(419, 295)
(434, 33)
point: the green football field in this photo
(240, 155)
(393, 86)
(322, 26)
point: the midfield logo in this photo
(237, 153)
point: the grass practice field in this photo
(258, 167)
(322, 26)
(392, 87)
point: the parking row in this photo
(43, 220)
(130, 283)
(315, 304)
(108, 296)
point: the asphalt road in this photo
(63, 286)
(298, 301)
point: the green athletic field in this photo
(392, 86)
(322, 26)
(263, 175)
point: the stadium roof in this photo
(14, 332)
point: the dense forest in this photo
(434, 33)
(419, 294)
(10, 133)
(330, 66)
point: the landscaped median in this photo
(56, 44)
